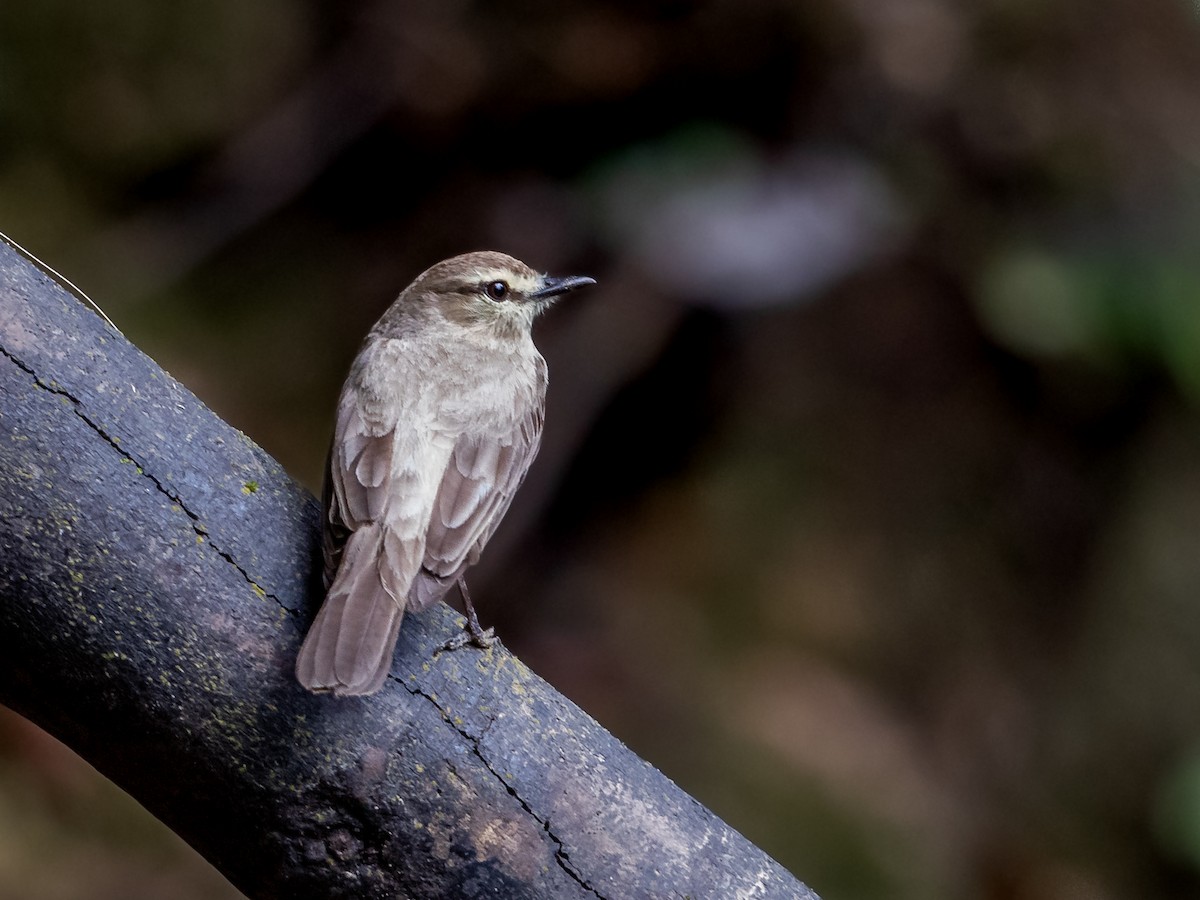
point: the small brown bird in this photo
(437, 423)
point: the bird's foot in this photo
(483, 638)
(473, 634)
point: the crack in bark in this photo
(561, 856)
(196, 524)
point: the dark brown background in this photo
(869, 503)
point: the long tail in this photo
(348, 649)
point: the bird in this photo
(436, 425)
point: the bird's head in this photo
(489, 288)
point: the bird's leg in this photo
(473, 633)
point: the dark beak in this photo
(553, 287)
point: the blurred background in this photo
(869, 503)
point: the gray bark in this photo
(156, 573)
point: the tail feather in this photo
(427, 589)
(348, 649)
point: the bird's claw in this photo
(484, 639)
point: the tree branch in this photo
(155, 571)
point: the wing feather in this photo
(475, 492)
(368, 569)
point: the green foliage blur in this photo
(869, 505)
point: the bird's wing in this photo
(368, 567)
(356, 474)
(481, 478)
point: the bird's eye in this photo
(497, 290)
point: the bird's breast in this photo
(449, 388)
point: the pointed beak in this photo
(554, 287)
